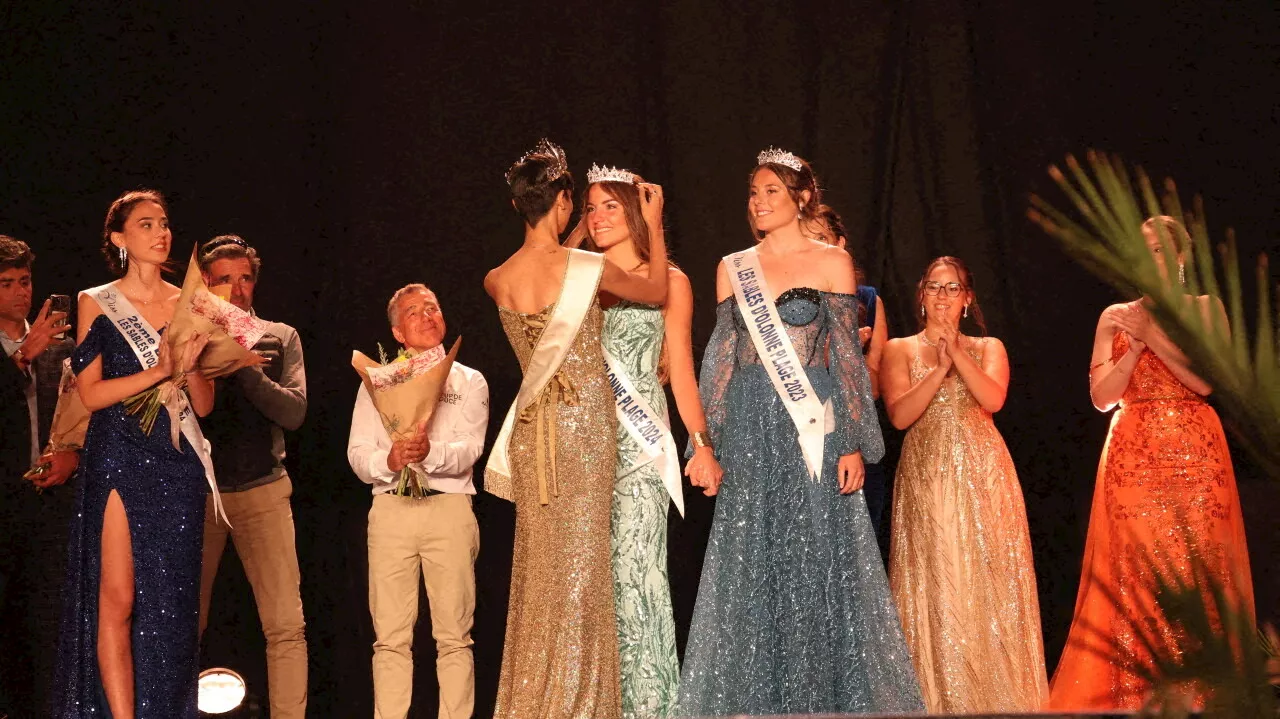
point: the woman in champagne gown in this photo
(560, 657)
(960, 557)
(1165, 493)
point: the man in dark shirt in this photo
(252, 408)
(33, 526)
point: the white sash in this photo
(778, 356)
(581, 281)
(145, 343)
(648, 429)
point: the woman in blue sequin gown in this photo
(131, 602)
(793, 613)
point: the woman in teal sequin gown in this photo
(793, 613)
(617, 222)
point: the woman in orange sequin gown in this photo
(1165, 477)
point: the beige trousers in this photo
(262, 533)
(434, 539)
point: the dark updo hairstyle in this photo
(537, 179)
(966, 281)
(117, 215)
(796, 181)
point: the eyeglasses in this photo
(952, 289)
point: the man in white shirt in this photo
(433, 537)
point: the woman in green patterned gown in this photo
(619, 223)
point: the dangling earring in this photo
(1182, 274)
(124, 258)
(922, 310)
(966, 312)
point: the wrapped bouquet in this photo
(232, 334)
(70, 421)
(405, 392)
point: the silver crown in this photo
(779, 157)
(599, 173)
(559, 163)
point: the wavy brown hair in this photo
(966, 282)
(796, 182)
(628, 195)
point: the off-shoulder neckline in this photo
(732, 298)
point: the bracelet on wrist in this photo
(702, 439)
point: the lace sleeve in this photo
(717, 370)
(857, 426)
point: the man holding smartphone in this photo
(33, 524)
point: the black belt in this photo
(409, 493)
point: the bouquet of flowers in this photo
(232, 334)
(70, 421)
(405, 392)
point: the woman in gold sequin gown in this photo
(560, 657)
(960, 565)
(1165, 491)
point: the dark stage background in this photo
(362, 147)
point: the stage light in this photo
(220, 691)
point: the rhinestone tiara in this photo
(559, 163)
(779, 157)
(599, 173)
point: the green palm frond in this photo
(1105, 234)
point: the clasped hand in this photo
(411, 450)
(704, 471)
(1133, 320)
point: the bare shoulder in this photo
(898, 346)
(833, 254)
(87, 308)
(989, 343)
(171, 291)
(492, 279)
(677, 280)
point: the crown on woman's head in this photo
(559, 163)
(779, 157)
(599, 173)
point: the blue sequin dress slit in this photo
(793, 612)
(163, 491)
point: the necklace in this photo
(924, 338)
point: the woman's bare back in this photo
(530, 280)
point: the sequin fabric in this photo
(560, 657)
(793, 612)
(646, 629)
(163, 491)
(960, 563)
(1165, 492)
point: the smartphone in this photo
(61, 303)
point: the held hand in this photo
(191, 351)
(704, 471)
(955, 341)
(651, 203)
(410, 450)
(851, 473)
(61, 466)
(164, 365)
(47, 325)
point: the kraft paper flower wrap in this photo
(405, 392)
(70, 421)
(232, 334)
